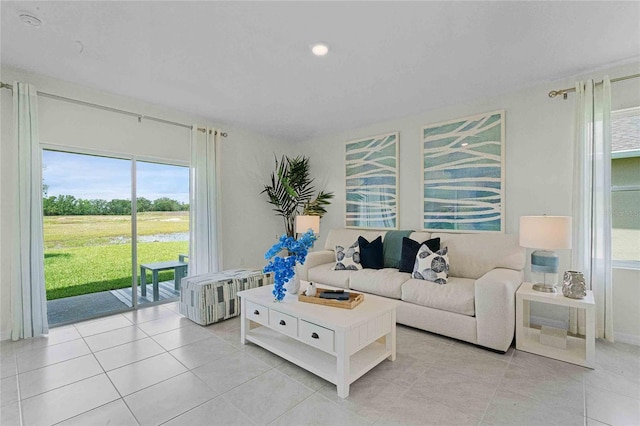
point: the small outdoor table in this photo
(180, 270)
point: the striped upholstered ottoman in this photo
(209, 298)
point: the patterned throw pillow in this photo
(410, 250)
(348, 259)
(432, 266)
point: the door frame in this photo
(134, 214)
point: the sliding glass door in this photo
(107, 219)
(87, 234)
(162, 229)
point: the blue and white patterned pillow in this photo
(432, 266)
(348, 259)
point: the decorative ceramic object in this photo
(293, 285)
(573, 285)
(311, 290)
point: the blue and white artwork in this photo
(372, 182)
(463, 174)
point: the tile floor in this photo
(155, 367)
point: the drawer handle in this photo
(315, 336)
(256, 312)
(282, 322)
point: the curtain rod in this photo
(116, 110)
(563, 92)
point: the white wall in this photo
(248, 225)
(538, 166)
(539, 163)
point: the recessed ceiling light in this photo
(29, 19)
(320, 49)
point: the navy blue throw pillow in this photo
(371, 254)
(410, 251)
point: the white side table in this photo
(580, 351)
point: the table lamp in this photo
(545, 234)
(305, 222)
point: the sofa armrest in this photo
(495, 297)
(315, 258)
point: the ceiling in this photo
(248, 64)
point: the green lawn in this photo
(88, 254)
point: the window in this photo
(625, 188)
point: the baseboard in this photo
(548, 322)
(632, 339)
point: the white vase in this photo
(293, 285)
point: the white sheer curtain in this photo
(28, 294)
(592, 201)
(203, 205)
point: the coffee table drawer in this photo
(285, 324)
(257, 313)
(315, 335)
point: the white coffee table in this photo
(339, 345)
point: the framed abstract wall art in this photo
(371, 178)
(463, 174)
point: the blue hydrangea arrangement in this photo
(283, 267)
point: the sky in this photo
(91, 177)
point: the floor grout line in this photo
(508, 360)
(108, 378)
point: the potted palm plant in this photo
(291, 192)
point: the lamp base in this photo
(544, 271)
(545, 288)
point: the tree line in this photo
(68, 205)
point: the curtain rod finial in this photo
(555, 93)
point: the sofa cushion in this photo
(385, 282)
(473, 255)
(345, 237)
(324, 274)
(457, 296)
(348, 257)
(371, 253)
(431, 266)
(410, 251)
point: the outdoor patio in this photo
(79, 308)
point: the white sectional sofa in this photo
(477, 304)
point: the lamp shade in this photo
(304, 223)
(545, 232)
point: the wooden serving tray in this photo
(354, 300)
